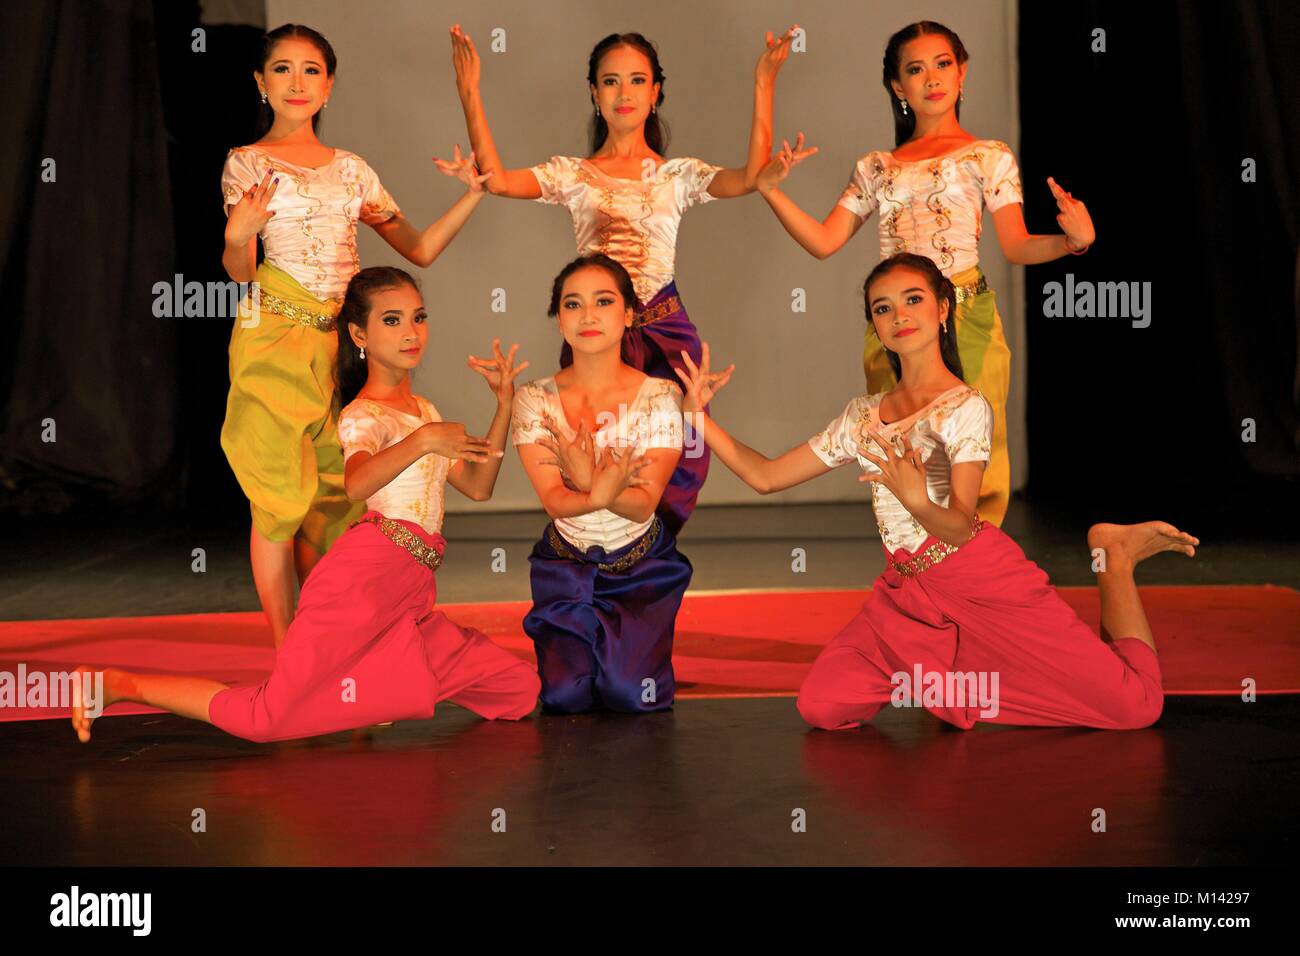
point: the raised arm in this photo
(244, 220)
(729, 183)
(423, 246)
(820, 239)
(514, 183)
(765, 475)
(1026, 249)
(475, 478)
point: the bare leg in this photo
(186, 696)
(1124, 546)
(305, 557)
(273, 577)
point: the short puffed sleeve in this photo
(377, 204)
(527, 414)
(693, 179)
(558, 180)
(1001, 177)
(837, 443)
(360, 429)
(967, 430)
(664, 416)
(240, 174)
(859, 196)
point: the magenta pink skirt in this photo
(367, 646)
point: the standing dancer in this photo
(930, 192)
(367, 645)
(627, 201)
(607, 577)
(958, 598)
(279, 434)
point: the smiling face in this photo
(592, 314)
(396, 330)
(929, 76)
(905, 311)
(624, 90)
(294, 80)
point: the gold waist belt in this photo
(933, 554)
(321, 321)
(971, 289)
(622, 564)
(405, 539)
(653, 314)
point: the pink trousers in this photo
(366, 646)
(986, 613)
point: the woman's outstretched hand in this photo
(466, 170)
(500, 371)
(701, 384)
(1073, 217)
(465, 59)
(902, 473)
(786, 159)
(449, 440)
(778, 50)
(250, 215)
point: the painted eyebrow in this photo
(634, 73)
(597, 292)
(884, 298)
(290, 62)
(922, 62)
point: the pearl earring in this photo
(325, 105)
(363, 351)
(264, 96)
(903, 103)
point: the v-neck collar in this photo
(924, 408)
(553, 391)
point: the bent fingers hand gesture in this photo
(500, 371)
(701, 385)
(902, 471)
(1072, 217)
(617, 469)
(449, 440)
(464, 169)
(576, 459)
(249, 216)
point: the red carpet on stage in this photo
(732, 644)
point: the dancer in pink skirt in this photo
(366, 645)
(960, 622)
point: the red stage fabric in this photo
(733, 644)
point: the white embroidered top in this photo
(932, 207)
(632, 221)
(955, 427)
(313, 234)
(417, 494)
(653, 420)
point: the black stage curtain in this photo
(81, 254)
(1152, 135)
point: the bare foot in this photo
(80, 721)
(1126, 545)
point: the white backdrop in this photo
(395, 103)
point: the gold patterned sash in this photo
(638, 551)
(406, 539)
(661, 311)
(933, 554)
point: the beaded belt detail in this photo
(406, 539)
(661, 311)
(321, 321)
(622, 564)
(933, 554)
(971, 289)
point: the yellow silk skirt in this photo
(986, 364)
(280, 433)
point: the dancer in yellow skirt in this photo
(931, 191)
(304, 200)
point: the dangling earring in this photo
(264, 96)
(652, 110)
(903, 103)
(596, 110)
(325, 105)
(961, 95)
(363, 352)
(944, 326)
